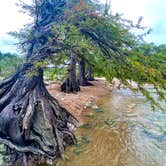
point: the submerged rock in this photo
(90, 104)
(131, 105)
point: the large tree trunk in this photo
(31, 120)
(82, 77)
(70, 85)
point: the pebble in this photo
(95, 107)
(71, 127)
(131, 105)
(89, 104)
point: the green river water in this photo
(122, 132)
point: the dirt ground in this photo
(78, 102)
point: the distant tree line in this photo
(9, 63)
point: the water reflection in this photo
(126, 133)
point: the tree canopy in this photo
(87, 28)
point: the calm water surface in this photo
(123, 132)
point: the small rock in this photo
(50, 162)
(85, 107)
(89, 104)
(71, 127)
(95, 107)
(59, 95)
(131, 105)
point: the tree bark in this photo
(82, 77)
(70, 85)
(31, 121)
(89, 75)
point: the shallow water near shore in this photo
(123, 131)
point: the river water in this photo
(123, 131)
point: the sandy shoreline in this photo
(79, 102)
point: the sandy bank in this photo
(79, 102)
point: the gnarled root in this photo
(84, 82)
(70, 86)
(31, 121)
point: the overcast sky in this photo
(153, 11)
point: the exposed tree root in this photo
(32, 121)
(90, 78)
(84, 82)
(70, 86)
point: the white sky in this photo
(10, 18)
(153, 11)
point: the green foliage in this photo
(87, 29)
(139, 67)
(106, 41)
(57, 73)
(8, 64)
